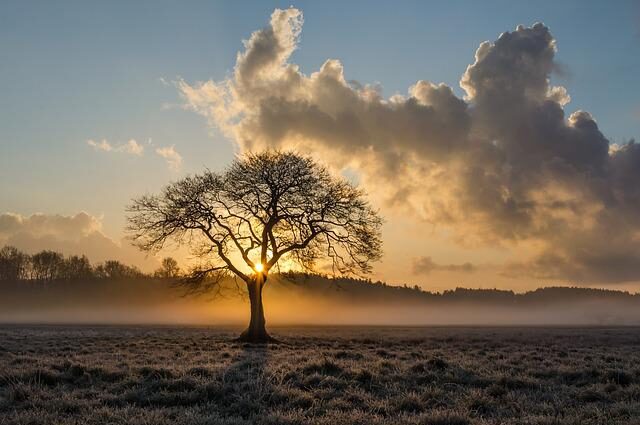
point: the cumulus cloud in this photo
(59, 226)
(425, 265)
(502, 166)
(74, 234)
(131, 147)
(173, 158)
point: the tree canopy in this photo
(264, 208)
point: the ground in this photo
(431, 376)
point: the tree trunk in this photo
(256, 332)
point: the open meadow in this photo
(319, 375)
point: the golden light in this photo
(259, 267)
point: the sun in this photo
(259, 267)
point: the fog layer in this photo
(312, 301)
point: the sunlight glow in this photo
(259, 267)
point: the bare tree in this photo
(14, 265)
(47, 266)
(114, 269)
(76, 267)
(265, 209)
(168, 269)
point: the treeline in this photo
(543, 295)
(48, 266)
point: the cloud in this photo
(503, 166)
(59, 226)
(131, 147)
(425, 265)
(100, 146)
(74, 234)
(173, 158)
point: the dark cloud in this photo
(503, 166)
(425, 265)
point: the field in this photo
(431, 376)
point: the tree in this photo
(168, 269)
(47, 265)
(14, 264)
(113, 269)
(266, 209)
(75, 267)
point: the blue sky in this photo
(76, 70)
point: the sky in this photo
(103, 102)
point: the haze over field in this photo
(311, 300)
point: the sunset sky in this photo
(497, 161)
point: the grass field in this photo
(431, 376)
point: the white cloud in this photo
(173, 158)
(131, 147)
(100, 146)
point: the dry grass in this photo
(431, 376)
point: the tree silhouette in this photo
(168, 269)
(14, 265)
(113, 269)
(265, 209)
(47, 265)
(75, 267)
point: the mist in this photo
(311, 301)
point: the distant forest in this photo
(47, 267)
